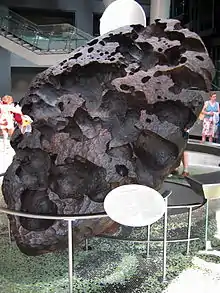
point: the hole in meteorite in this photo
(90, 50)
(177, 26)
(77, 55)
(200, 58)
(26, 109)
(174, 112)
(154, 152)
(78, 179)
(73, 130)
(61, 107)
(37, 202)
(124, 87)
(174, 35)
(193, 45)
(63, 62)
(113, 53)
(145, 79)
(158, 73)
(121, 170)
(93, 42)
(183, 60)
(102, 43)
(148, 120)
(160, 50)
(134, 36)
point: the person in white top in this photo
(7, 109)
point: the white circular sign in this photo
(134, 205)
(121, 13)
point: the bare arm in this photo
(204, 109)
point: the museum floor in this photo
(115, 265)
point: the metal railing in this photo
(53, 39)
(70, 219)
(206, 148)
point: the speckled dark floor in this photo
(111, 265)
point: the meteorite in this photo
(113, 113)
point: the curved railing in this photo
(206, 148)
(71, 218)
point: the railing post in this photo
(49, 41)
(23, 29)
(70, 254)
(86, 244)
(189, 230)
(206, 225)
(148, 241)
(165, 241)
(9, 232)
(36, 40)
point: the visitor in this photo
(6, 118)
(211, 118)
(7, 111)
(184, 160)
(218, 132)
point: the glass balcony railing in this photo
(52, 39)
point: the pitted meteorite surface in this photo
(113, 113)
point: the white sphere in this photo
(121, 13)
(134, 205)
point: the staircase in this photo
(43, 45)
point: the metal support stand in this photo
(189, 230)
(148, 241)
(70, 252)
(86, 244)
(206, 225)
(9, 232)
(165, 242)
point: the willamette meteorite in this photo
(113, 113)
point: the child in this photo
(6, 118)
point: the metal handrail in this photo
(206, 147)
(48, 217)
(14, 25)
(76, 217)
(62, 217)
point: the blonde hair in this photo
(7, 100)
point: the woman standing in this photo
(6, 118)
(211, 117)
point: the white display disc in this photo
(121, 13)
(134, 205)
